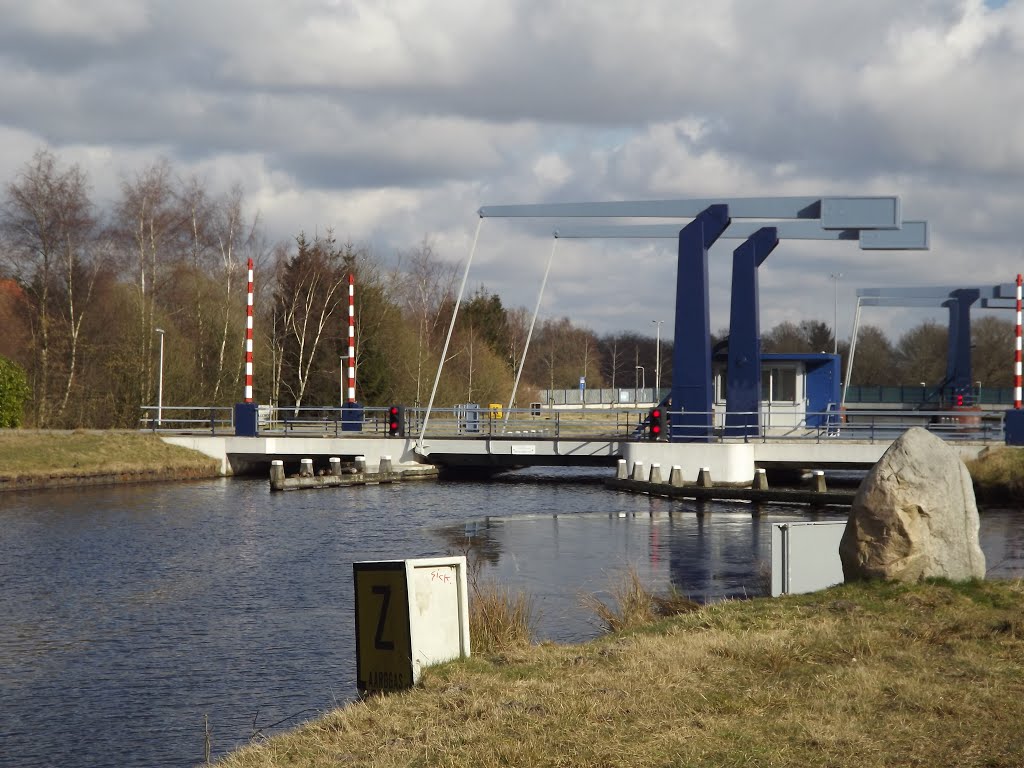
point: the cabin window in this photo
(778, 385)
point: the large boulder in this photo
(914, 516)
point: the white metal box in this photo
(409, 614)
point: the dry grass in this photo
(498, 620)
(630, 604)
(26, 454)
(998, 474)
(864, 676)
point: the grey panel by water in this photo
(805, 556)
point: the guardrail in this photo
(583, 424)
(205, 419)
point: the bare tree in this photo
(427, 286)
(310, 291)
(148, 223)
(49, 220)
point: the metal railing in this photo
(204, 419)
(589, 424)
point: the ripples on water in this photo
(131, 612)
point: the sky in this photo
(392, 121)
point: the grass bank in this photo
(45, 458)
(998, 474)
(860, 675)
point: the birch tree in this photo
(310, 293)
(50, 226)
(148, 225)
(427, 285)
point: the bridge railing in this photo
(868, 426)
(581, 423)
(168, 418)
(584, 423)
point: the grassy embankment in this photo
(45, 458)
(860, 675)
(998, 475)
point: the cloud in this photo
(394, 121)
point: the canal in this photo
(130, 617)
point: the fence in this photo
(603, 397)
(907, 394)
(473, 421)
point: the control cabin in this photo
(797, 389)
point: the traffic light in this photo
(959, 401)
(657, 424)
(396, 421)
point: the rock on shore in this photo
(914, 516)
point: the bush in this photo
(14, 391)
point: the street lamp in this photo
(160, 384)
(642, 379)
(657, 360)
(835, 312)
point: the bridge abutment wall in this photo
(729, 463)
(238, 455)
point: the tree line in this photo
(88, 294)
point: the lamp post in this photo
(657, 360)
(835, 312)
(643, 380)
(160, 381)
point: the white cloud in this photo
(98, 21)
(392, 121)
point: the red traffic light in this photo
(657, 421)
(396, 421)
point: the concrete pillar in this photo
(277, 475)
(655, 473)
(621, 472)
(818, 481)
(335, 466)
(704, 478)
(361, 465)
(676, 476)
(385, 465)
(306, 468)
(760, 480)
(638, 472)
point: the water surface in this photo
(131, 613)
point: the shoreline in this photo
(126, 477)
(38, 460)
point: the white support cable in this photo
(849, 359)
(529, 334)
(447, 341)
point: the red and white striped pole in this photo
(248, 338)
(1016, 358)
(351, 339)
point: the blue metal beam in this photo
(833, 212)
(691, 358)
(959, 301)
(743, 379)
(958, 355)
